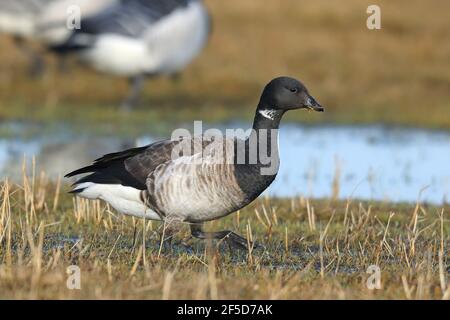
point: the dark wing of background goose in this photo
(138, 38)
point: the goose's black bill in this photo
(312, 104)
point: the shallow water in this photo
(373, 162)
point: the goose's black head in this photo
(283, 94)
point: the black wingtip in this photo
(87, 169)
(71, 174)
(75, 191)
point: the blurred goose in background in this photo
(17, 18)
(45, 21)
(140, 38)
(161, 182)
(53, 26)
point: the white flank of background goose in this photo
(17, 18)
(139, 38)
(45, 21)
(52, 24)
(159, 182)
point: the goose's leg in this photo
(175, 77)
(136, 84)
(229, 236)
(166, 239)
(63, 64)
(37, 66)
(168, 231)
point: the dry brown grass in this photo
(400, 74)
(313, 250)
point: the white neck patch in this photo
(268, 113)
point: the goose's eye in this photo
(294, 90)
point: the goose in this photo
(17, 19)
(140, 38)
(56, 22)
(45, 21)
(197, 179)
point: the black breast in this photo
(251, 181)
(249, 175)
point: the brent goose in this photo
(17, 18)
(139, 38)
(43, 20)
(159, 182)
(54, 24)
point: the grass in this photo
(397, 75)
(314, 249)
(317, 249)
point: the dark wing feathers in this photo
(128, 17)
(146, 162)
(129, 168)
(107, 160)
(115, 173)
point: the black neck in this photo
(264, 137)
(260, 153)
(267, 118)
(266, 124)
